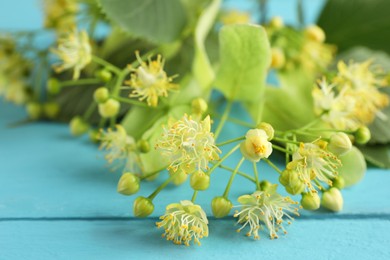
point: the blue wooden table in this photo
(58, 200)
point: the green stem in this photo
(161, 187)
(224, 117)
(106, 64)
(88, 113)
(79, 82)
(315, 121)
(330, 130)
(238, 172)
(223, 159)
(132, 102)
(301, 14)
(236, 121)
(231, 141)
(276, 147)
(102, 122)
(150, 174)
(225, 194)
(276, 168)
(194, 196)
(121, 77)
(282, 140)
(256, 175)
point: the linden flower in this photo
(256, 145)
(314, 163)
(267, 208)
(75, 52)
(149, 81)
(60, 14)
(121, 148)
(316, 55)
(183, 222)
(189, 144)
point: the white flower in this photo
(265, 208)
(256, 145)
(74, 51)
(183, 222)
(188, 144)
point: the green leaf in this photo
(377, 155)
(244, 61)
(349, 23)
(202, 69)
(155, 20)
(353, 167)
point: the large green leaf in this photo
(353, 167)
(244, 61)
(378, 155)
(349, 23)
(156, 20)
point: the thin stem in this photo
(161, 187)
(238, 172)
(131, 101)
(285, 140)
(310, 124)
(277, 147)
(301, 14)
(79, 82)
(223, 159)
(256, 175)
(276, 168)
(102, 122)
(194, 196)
(121, 77)
(150, 174)
(330, 130)
(88, 113)
(231, 141)
(236, 121)
(225, 116)
(225, 194)
(106, 64)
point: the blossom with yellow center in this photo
(120, 147)
(265, 208)
(60, 14)
(256, 145)
(183, 222)
(314, 164)
(149, 81)
(188, 144)
(74, 51)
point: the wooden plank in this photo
(314, 239)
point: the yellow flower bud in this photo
(34, 110)
(199, 106)
(101, 95)
(276, 22)
(78, 126)
(256, 145)
(53, 86)
(268, 129)
(290, 180)
(199, 180)
(109, 108)
(221, 207)
(339, 182)
(315, 33)
(180, 176)
(277, 58)
(51, 109)
(339, 144)
(104, 75)
(362, 135)
(310, 201)
(332, 200)
(265, 185)
(128, 184)
(143, 145)
(142, 207)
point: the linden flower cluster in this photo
(121, 148)
(14, 70)
(188, 144)
(74, 51)
(183, 222)
(149, 81)
(353, 99)
(265, 208)
(60, 14)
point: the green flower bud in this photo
(78, 126)
(101, 95)
(310, 201)
(268, 129)
(109, 108)
(362, 135)
(199, 180)
(143, 145)
(94, 136)
(265, 185)
(104, 75)
(291, 181)
(339, 144)
(180, 177)
(199, 106)
(315, 33)
(278, 60)
(221, 207)
(34, 110)
(53, 86)
(128, 184)
(339, 182)
(276, 22)
(142, 207)
(51, 109)
(332, 200)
